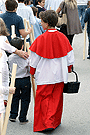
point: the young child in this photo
(51, 59)
(38, 30)
(87, 19)
(40, 6)
(22, 84)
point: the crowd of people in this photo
(51, 56)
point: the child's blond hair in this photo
(3, 29)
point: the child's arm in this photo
(25, 33)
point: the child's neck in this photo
(50, 28)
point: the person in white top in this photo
(82, 5)
(53, 4)
(25, 12)
(3, 90)
(2, 6)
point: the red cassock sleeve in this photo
(69, 68)
(32, 70)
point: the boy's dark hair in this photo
(21, 1)
(50, 17)
(31, 1)
(27, 2)
(11, 5)
(40, 1)
(17, 42)
(35, 10)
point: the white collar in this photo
(52, 30)
(39, 6)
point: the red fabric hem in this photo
(35, 130)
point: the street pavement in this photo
(76, 109)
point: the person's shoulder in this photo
(2, 14)
(88, 10)
(38, 19)
(18, 17)
(28, 8)
(14, 57)
(11, 56)
(3, 38)
(38, 6)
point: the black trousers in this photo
(70, 38)
(23, 92)
(63, 29)
(89, 44)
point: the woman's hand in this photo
(58, 10)
(22, 54)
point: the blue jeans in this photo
(23, 92)
(81, 12)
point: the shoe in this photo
(88, 57)
(49, 129)
(12, 120)
(24, 122)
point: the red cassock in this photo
(49, 97)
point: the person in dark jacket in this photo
(87, 19)
(40, 6)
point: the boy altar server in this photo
(51, 59)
